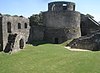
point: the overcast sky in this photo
(29, 7)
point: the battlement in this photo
(61, 6)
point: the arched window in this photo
(25, 25)
(9, 27)
(19, 25)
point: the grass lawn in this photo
(49, 58)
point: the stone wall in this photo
(88, 42)
(88, 25)
(61, 19)
(36, 33)
(61, 5)
(19, 26)
(1, 41)
(53, 35)
(69, 21)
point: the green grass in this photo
(49, 58)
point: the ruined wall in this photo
(36, 33)
(61, 25)
(55, 35)
(62, 19)
(1, 41)
(68, 22)
(17, 27)
(88, 25)
(88, 42)
(37, 28)
(61, 5)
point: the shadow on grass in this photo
(36, 43)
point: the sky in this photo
(29, 7)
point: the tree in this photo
(36, 19)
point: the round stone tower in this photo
(60, 6)
(62, 22)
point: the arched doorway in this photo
(21, 44)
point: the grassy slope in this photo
(49, 58)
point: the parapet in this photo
(61, 6)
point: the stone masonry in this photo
(60, 23)
(14, 32)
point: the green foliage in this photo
(15, 15)
(49, 58)
(36, 19)
(7, 15)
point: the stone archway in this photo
(21, 43)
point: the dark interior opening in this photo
(21, 44)
(9, 27)
(56, 41)
(64, 6)
(83, 29)
(74, 7)
(19, 25)
(25, 25)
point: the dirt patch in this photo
(75, 49)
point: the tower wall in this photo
(62, 19)
(61, 25)
(61, 5)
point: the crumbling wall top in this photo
(61, 6)
(13, 16)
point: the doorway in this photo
(21, 44)
(56, 41)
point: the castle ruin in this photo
(60, 23)
(14, 32)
